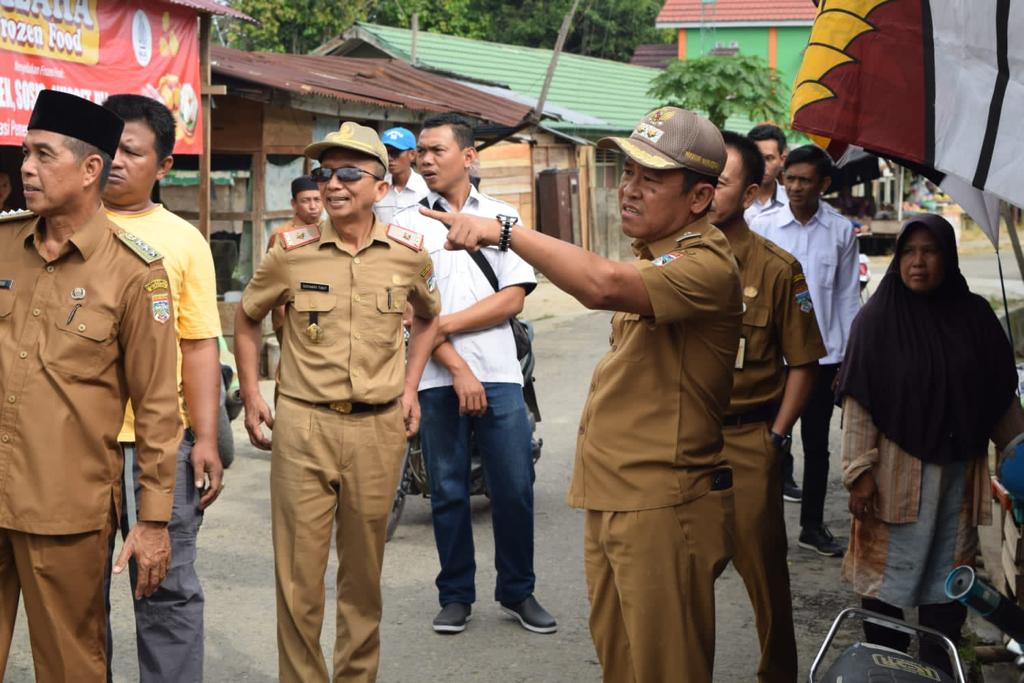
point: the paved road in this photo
(236, 565)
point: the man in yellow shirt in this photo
(169, 623)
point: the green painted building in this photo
(776, 30)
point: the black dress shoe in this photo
(531, 616)
(453, 618)
(820, 540)
(791, 493)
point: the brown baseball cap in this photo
(351, 136)
(670, 137)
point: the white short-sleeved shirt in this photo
(490, 353)
(394, 201)
(780, 198)
(827, 250)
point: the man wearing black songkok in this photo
(85, 324)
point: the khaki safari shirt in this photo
(356, 302)
(778, 323)
(79, 336)
(651, 430)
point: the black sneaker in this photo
(453, 618)
(791, 493)
(820, 540)
(531, 616)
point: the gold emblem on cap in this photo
(750, 292)
(663, 114)
(346, 131)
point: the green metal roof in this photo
(614, 92)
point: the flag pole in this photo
(1002, 280)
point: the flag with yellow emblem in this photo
(934, 84)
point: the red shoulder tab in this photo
(406, 237)
(292, 239)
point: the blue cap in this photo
(399, 138)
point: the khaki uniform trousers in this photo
(62, 579)
(651, 583)
(326, 469)
(760, 556)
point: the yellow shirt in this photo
(189, 264)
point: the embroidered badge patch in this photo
(300, 236)
(158, 283)
(161, 310)
(667, 258)
(427, 271)
(409, 238)
(803, 299)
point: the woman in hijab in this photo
(929, 378)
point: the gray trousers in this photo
(169, 623)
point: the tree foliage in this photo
(610, 29)
(295, 26)
(722, 86)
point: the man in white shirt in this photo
(472, 386)
(407, 186)
(824, 243)
(772, 143)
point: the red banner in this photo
(97, 48)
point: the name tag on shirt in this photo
(314, 287)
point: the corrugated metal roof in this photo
(655, 56)
(378, 82)
(213, 7)
(612, 92)
(735, 11)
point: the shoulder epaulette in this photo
(687, 236)
(293, 239)
(16, 215)
(779, 252)
(137, 245)
(406, 237)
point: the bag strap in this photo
(478, 258)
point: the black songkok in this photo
(61, 112)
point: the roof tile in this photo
(736, 11)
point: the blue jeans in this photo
(503, 441)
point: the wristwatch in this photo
(782, 442)
(505, 238)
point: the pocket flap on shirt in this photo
(631, 316)
(756, 316)
(395, 303)
(314, 301)
(89, 324)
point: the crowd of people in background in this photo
(739, 318)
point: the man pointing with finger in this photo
(649, 470)
(347, 402)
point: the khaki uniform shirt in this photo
(651, 427)
(79, 336)
(356, 300)
(778, 324)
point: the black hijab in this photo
(935, 370)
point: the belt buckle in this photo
(343, 407)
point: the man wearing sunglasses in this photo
(347, 402)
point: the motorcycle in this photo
(230, 405)
(414, 479)
(878, 664)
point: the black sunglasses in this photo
(346, 174)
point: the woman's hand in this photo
(862, 495)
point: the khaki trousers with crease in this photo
(760, 556)
(62, 579)
(651, 583)
(327, 470)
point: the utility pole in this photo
(415, 36)
(566, 23)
